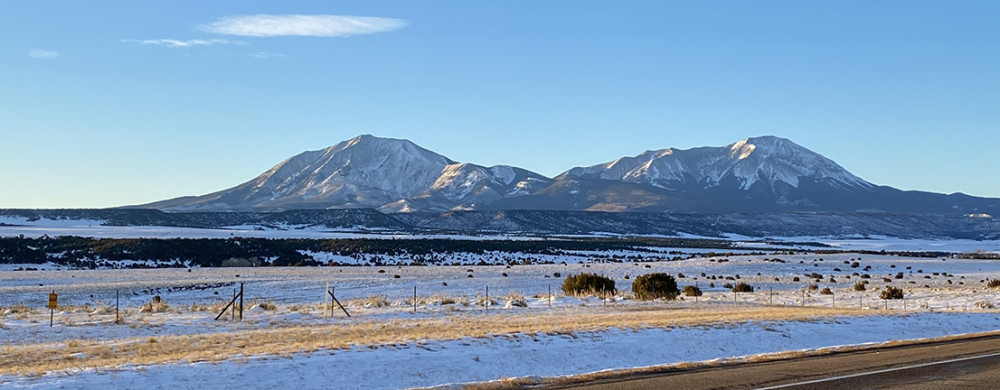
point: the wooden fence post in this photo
(335, 300)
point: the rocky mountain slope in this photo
(759, 175)
(367, 172)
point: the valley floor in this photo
(455, 334)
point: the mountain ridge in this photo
(756, 174)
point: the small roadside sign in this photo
(53, 301)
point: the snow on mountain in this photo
(391, 174)
(765, 159)
(761, 174)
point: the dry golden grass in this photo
(30, 359)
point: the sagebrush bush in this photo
(587, 283)
(826, 291)
(654, 286)
(377, 301)
(692, 291)
(859, 286)
(891, 292)
(993, 283)
(742, 287)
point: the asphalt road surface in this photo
(963, 364)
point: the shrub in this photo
(826, 291)
(891, 292)
(859, 286)
(515, 300)
(692, 291)
(586, 283)
(813, 287)
(742, 287)
(654, 286)
(375, 301)
(993, 283)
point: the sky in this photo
(115, 103)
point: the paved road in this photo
(966, 364)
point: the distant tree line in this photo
(180, 252)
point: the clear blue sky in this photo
(125, 102)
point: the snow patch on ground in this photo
(425, 364)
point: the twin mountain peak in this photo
(761, 174)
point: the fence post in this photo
(550, 296)
(414, 299)
(326, 303)
(335, 300)
(241, 301)
(117, 317)
(233, 312)
(486, 303)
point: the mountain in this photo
(762, 174)
(771, 161)
(367, 172)
(757, 175)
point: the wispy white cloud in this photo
(183, 43)
(302, 25)
(43, 54)
(263, 55)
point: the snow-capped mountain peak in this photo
(765, 159)
(366, 171)
(393, 175)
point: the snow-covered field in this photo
(17, 226)
(90, 228)
(478, 360)
(955, 300)
(943, 296)
(924, 279)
